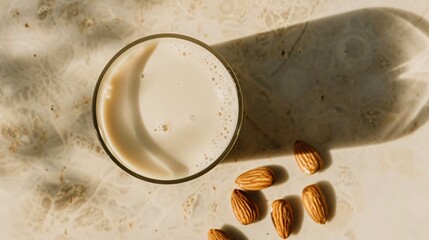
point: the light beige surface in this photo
(349, 80)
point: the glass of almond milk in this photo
(167, 108)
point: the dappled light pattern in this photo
(351, 81)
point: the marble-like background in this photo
(350, 77)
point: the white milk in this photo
(167, 108)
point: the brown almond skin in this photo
(245, 209)
(307, 157)
(217, 234)
(315, 203)
(256, 179)
(282, 216)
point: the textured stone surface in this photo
(349, 77)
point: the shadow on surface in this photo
(330, 196)
(43, 95)
(298, 212)
(261, 202)
(352, 79)
(233, 232)
(280, 174)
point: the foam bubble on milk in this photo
(187, 104)
(222, 81)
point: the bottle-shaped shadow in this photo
(352, 79)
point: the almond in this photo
(282, 216)
(245, 209)
(217, 234)
(315, 203)
(307, 157)
(256, 179)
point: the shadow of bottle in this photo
(352, 79)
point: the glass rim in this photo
(231, 143)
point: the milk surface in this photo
(168, 108)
